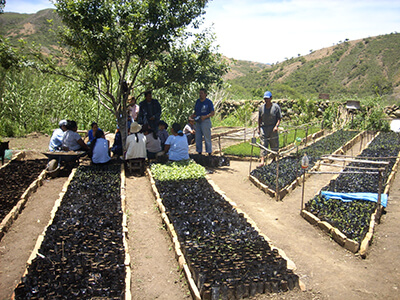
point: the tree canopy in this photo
(126, 47)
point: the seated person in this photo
(92, 132)
(189, 131)
(57, 136)
(162, 132)
(176, 144)
(99, 148)
(153, 142)
(72, 141)
(116, 148)
(135, 143)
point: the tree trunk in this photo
(122, 120)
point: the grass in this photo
(244, 149)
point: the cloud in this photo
(270, 31)
(27, 7)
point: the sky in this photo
(270, 31)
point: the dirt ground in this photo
(327, 270)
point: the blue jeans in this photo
(203, 128)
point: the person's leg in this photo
(274, 141)
(199, 138)
(206, 129)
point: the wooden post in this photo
(302, 191)
(219, 144)
(277, 177)
(378, 205)
(306, 135)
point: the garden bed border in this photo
(296, 182)
(9, 219)
(177, 247)
(339, 237)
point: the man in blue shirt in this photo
(203, 111)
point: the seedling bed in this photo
(290, 170)
(352, 223)
(81, 253)
(226, 257)
(18, 179)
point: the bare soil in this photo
(327, 270)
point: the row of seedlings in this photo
(351, 224)
(283, 175)
(222, 252)
(19, 178)
(82, 252)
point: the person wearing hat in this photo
(269, 118)
(135, 143)
(57, 136)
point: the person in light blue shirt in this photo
(100, 148)
(57, 136)
(176, 145)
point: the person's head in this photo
(177, 129)
(148, 96)
(94, 126)
(131, 100)
(99, 134)
(135, 127)
(63, 125)
(203, 93)
(267, 96)
(71, 125)
(162, 125)
(191, 121)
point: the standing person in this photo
(57, 136)
(72, 141)
(99, 148)
(203, 111)
(176, 145)
(149, 111)
(133, 108)
(269, 118)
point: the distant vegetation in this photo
(367, 70)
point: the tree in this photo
(2, 5)
(126, 47)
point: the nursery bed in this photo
(19, 178)
(82, 251)
(220, 249)
(290, 171)
(352, 224)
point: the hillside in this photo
(366, 67)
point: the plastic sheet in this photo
(347, 197)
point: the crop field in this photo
(290, 166)
(353, 218)
(82, 253)
(227, 257)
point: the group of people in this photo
(66, 138)
(148, 135)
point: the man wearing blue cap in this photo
(269, 118)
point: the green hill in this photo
(366, 67)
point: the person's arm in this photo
(277, 125)
(82, 144)
(166, 148)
